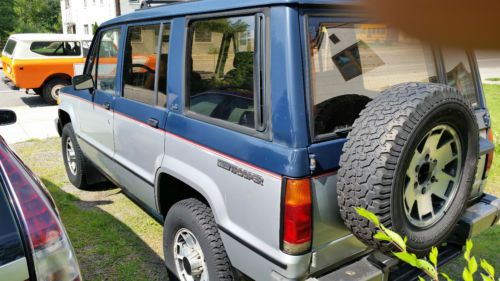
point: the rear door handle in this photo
(106, 105)
(153, 122)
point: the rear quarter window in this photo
(10, 47)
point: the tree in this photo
(37, 16)
(7, 19)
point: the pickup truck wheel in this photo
(192, 245)
(75, 162)
(410, 159)
(51, 89)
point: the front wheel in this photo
(192, 245)
(77, 165)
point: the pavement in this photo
(489, 65)
(35, 119)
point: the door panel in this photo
(96, 118)
(140, 112)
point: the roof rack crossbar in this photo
(147, 3)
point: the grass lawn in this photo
(113, 238)
(116, 240)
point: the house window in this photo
(66, 2)
(85, 3)
(86, 29)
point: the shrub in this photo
(427, 265)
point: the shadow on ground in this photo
(33, 100)
(106, 248)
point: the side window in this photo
(221, 67)
(141, 78)
(459, 74)
(56, 48)
(104, 65)
(11, 247)
(86, 47)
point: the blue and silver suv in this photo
(252, 129)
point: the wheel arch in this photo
(178, 181)
(64, 76)
(170, 190)
(64, 119)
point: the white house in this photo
(78, 16)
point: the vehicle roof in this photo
(48, 37)
(210, 6)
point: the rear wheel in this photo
(410, 159)
(192, 245)
(51, 89)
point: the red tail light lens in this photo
(53, 256)
(297, 217)
(489, 156)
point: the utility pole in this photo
(118, 8)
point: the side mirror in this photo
(83, 82)
(7, 117)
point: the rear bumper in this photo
(9, 83)
(476, 219)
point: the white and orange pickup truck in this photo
(44, 62)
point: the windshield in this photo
(351, 63)
(9, 47)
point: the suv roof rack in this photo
(149, 3)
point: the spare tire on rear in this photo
(411, 159)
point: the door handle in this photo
(106, 105)
(153, 122)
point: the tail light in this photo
(489, 156)
(53, 256)
(297, 216)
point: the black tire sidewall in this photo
(180, 216)
(68, 132)
(456, 115)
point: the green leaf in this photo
(410, 259)
(446, 276)
(468, 249)
(488, 268)
(428, 268)
(421, 279)
(486, 278)
(433, 256)
(472, 265)
(405, 239)
(368, 215)
(382, 236)
(466, 275)
(396, 238)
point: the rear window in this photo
(351, 63)
(10, 46)
(56, 48)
